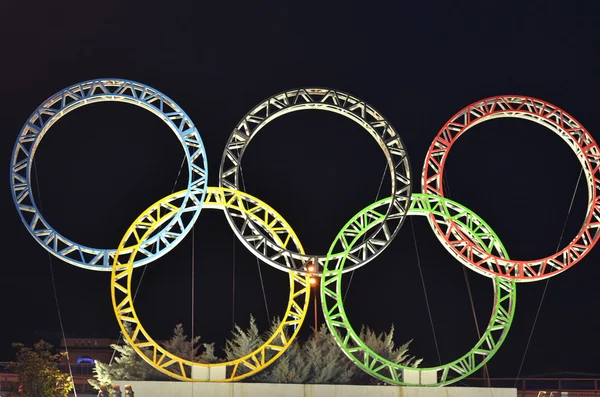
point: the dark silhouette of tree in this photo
(38, 371)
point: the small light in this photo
(313, 280)
(311, 268)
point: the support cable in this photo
(62, 328)
(262, 284)
(486, 372)
(365, 236)
(112, 357)
(418, 264)
(548, 279)
(193, 291)
(233, 282)
(425, 292)
(193, 297)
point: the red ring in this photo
(560, 122)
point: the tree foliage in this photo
(38, 371)
(318, 360)
(383, 344)
(128, 365)
(243, 342)
(181, 346)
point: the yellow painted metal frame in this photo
(149, 223)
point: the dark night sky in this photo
(418, 64)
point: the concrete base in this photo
(188, 389)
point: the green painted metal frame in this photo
(459, 220)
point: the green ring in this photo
(337, 321)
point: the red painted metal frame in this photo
(555, 119)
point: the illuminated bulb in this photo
(311, 268)
(313, 280)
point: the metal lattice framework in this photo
(346, 105)
(270, 238)
(86, 93)
(243, 206)
(459, 218)
(559, 122)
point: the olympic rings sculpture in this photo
(354, 109)
(86, 93)
(567, 128)
(245, 206)
(271, 239)
(461, 219)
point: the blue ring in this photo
(85, 93)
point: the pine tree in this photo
(208, 355)
(320, 360)
(181, 346)
(243, 342)
(128, 365)
(383, 344)
(290, 367)
(329, 364)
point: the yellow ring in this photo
(149, 222)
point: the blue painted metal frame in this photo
(85, 93)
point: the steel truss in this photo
(565, 126)
(335, 316)
(271, 239)
(353, 108)
(86, 93)
(243, 206)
